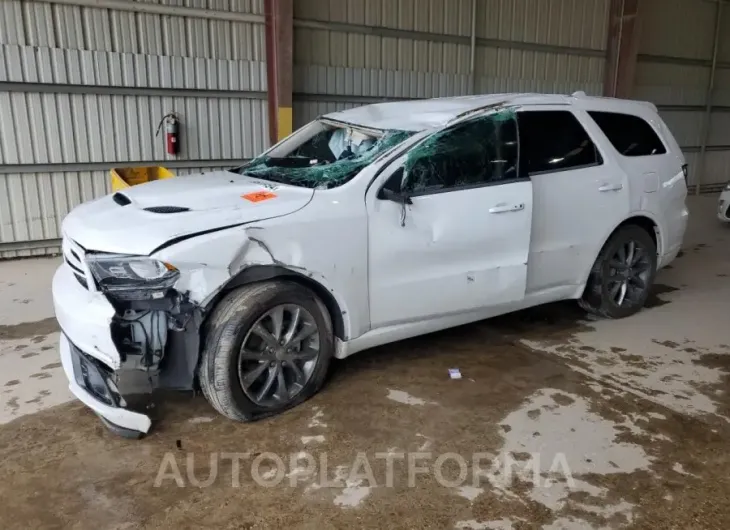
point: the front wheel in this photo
(623, 274)
(267, 349)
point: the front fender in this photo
(213, 264)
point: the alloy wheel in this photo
(278, 355)
(629, 272)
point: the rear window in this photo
(630, 135)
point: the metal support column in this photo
(622, 47)
(279, 66)
(701, 164)
(473, 49)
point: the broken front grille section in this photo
(73, 255)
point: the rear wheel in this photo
(623, 274)
(267, 349)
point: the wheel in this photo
(267, 349)
(623, 274)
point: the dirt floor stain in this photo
(39, 397)
(356, 416)
(51, 366)
(29, 329)
(657, 291)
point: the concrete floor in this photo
(558, 422)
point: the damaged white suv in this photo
(364, 227)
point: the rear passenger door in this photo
(579, 194)
(648, 154)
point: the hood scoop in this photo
(121, 199)
(167, 209)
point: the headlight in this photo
(122, 273)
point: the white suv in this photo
(364, 227)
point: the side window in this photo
(630, 135)
(554, 140)
(482, 150)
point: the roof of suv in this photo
(422, 114)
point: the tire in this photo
(232, 322)
(599, 297)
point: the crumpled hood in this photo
(216, 200)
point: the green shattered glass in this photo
(326, 175)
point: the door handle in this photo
(611, 187)
(505, 208)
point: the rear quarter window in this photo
(629, 134)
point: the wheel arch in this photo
(641, 219)
(259, 273)
(646, 222)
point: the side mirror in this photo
(393, 189)
(390, 195)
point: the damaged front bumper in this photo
(113, 356)
(93, 384)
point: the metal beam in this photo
(75, 167)
(682, 61)
(623, 48)
(60, 88)
(473, 49)
(159, 9)
(270, 39)
(279, 66)
(21, 246)
(708, 98)
(708, 149)
(380, 31)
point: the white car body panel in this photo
(723, 205)
(392, 271)
(85, 316)
(120, 417)
(573, 210)
(430, 259)
(215, 200)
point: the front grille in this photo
(73, 255)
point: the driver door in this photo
(449, 225)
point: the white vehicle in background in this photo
(723, 205)
(367, 226)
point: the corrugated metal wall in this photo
(349, 52)
(83, 89)
(675, 55)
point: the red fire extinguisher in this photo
(172, 139)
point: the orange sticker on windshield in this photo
(258, 196)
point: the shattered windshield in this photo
(330, 158)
